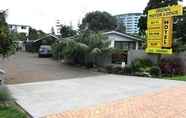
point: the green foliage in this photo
(119, 70)
(67, 31)
(6, 43)
(179, 78)
(84, 48)
(32, 34)
(52, 31)
(11, 112)
(35, 34)
(152, 4)
(155, 71)
(142, 25)
(179, 33)
(4, 95)
(18, 36)
(120, 27)
(57, 51)
(98, 21)
(141, 65)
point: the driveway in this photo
(43, 87)
(26, 67)
(51, 97)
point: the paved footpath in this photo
(51, 97)
(167, 103)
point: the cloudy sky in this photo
(42, 14)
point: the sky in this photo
(42, 14)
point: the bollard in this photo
(2, 77)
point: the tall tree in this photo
(52, 31)
(152, 4)
(35, 34)
(67, 31)
(6, 43)
(120, 27)
(98, 21)
(32, 34)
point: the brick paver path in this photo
(169, 103)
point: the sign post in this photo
(160, 29)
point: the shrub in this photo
(155, 71)
(172, 66)
(109, 68)
(117, 70)
(139, 65)
(127, 70)
(4, 95)
(57, 51)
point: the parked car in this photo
(45, 51)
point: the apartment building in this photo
(130, 21)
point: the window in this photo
(121, 45)
(23, 27)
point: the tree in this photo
(120, 27)
(85, 48)
(98, 21)
(152, 4)
(18, 36)
(179, 33)
(67, 31)
(6, 43)
(52, 31)
(32, 34)
(35, 34)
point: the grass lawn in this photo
(11, 112)
(180, 78)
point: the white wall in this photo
(113, 38)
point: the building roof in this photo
(19, 25)
(46, 37)
(124, 35)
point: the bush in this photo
(109, 68)
(140, 65)
(127, 71)
(57, 51)
(155, 71)
(117, 70)
(173, 66)
(4, 95)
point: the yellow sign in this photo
(167, 32)
(169, 11)
(154, 23)
(154, 33)
(160, 29)
(158, 51)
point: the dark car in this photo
(45, 51)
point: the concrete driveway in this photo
(27, 67)
(50, 97)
